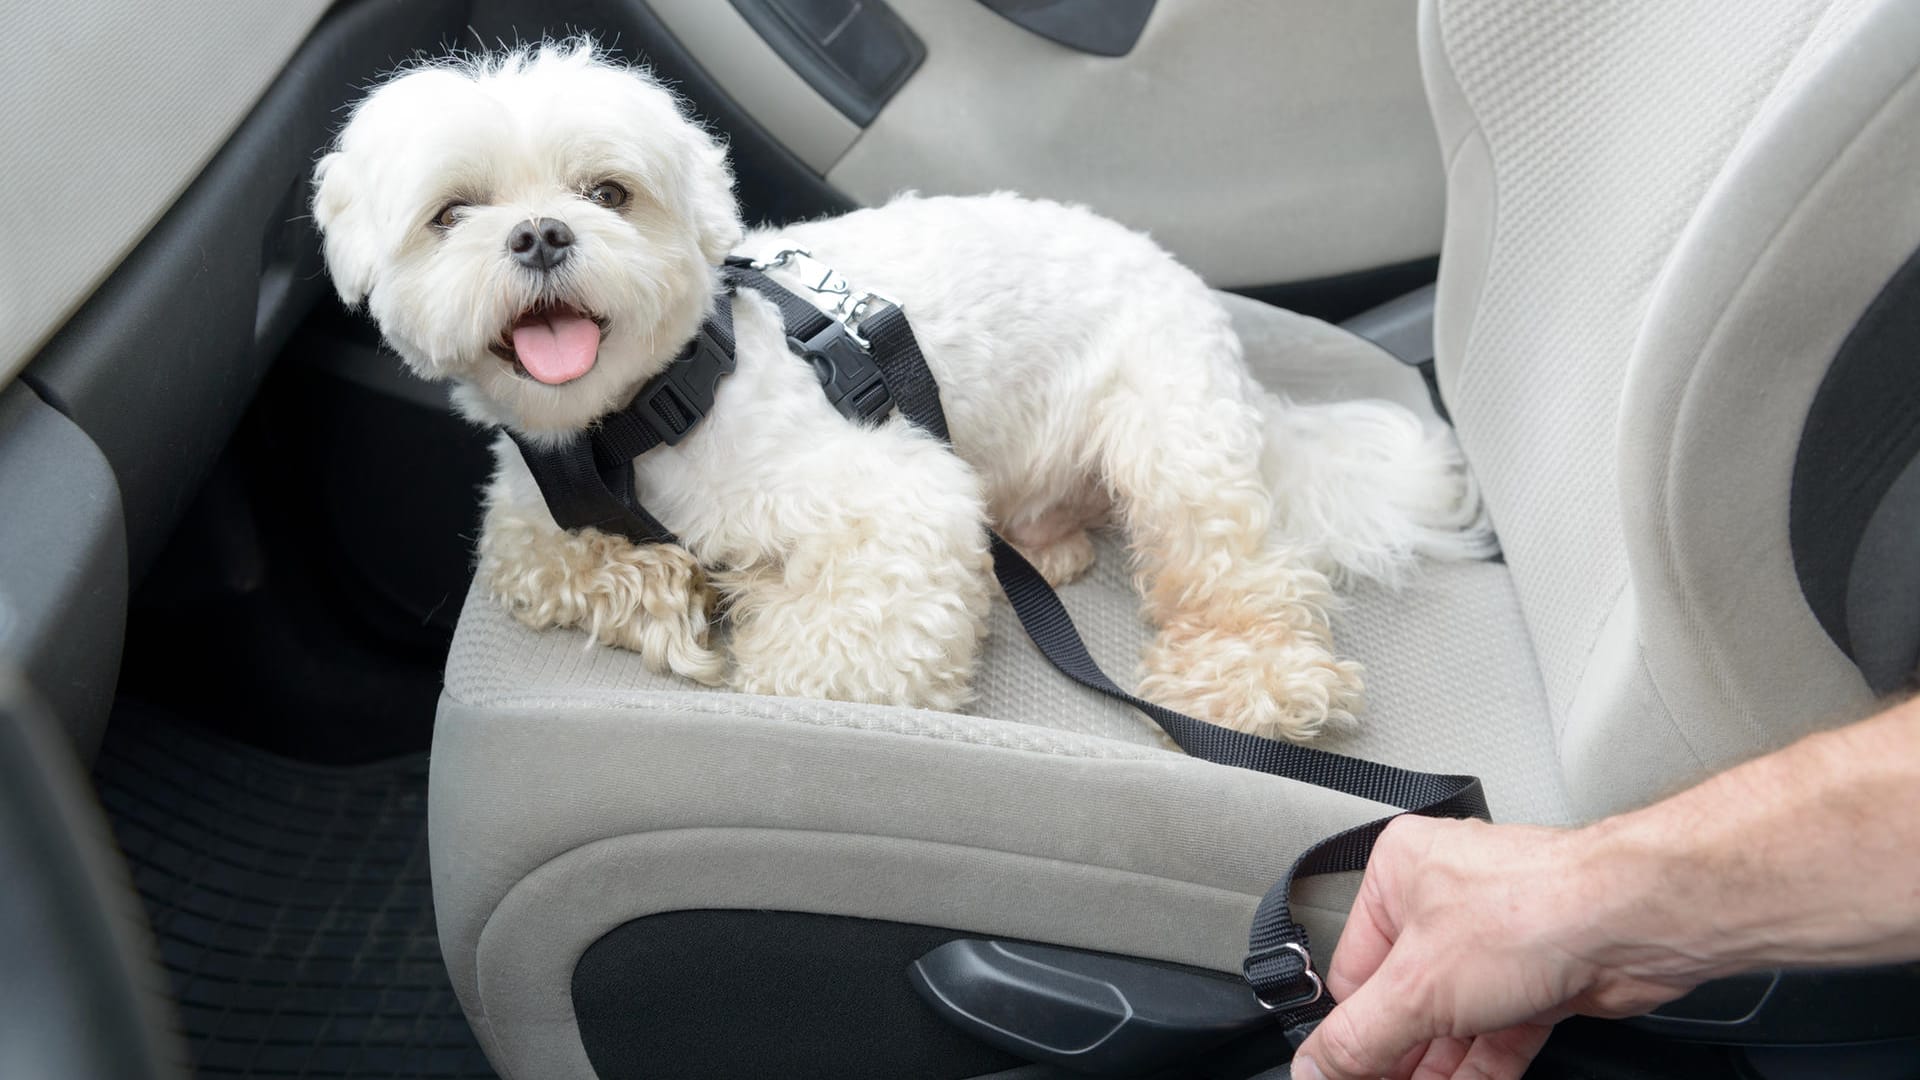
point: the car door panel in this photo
(1263, 143)
(766, 86)
(112, 111)
(63, 563)
(159, 364)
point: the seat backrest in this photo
(1677, 341)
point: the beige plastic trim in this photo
(748, 69)
(111, 111)
(1260, 142)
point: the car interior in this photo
(283, 794)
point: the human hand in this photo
(1466, 944)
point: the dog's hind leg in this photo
(1243, 638)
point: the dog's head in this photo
(541, 226)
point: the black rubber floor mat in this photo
(291, 904)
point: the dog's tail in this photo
(1367, 486)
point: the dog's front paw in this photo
(875, 640)
(892, 618)
(650, 598)
(1278, 684)
(654, 599)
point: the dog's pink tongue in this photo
(558, 346)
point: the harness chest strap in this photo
(586, 478)
(589, 480)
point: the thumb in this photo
(1364, 1037)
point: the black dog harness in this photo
(868, 363)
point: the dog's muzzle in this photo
(542, 244)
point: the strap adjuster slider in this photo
(1315, 988)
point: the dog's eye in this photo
(449, 215)
(608, 194)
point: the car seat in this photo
(1675, 327)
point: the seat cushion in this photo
(1451, 682)
(1449, 688)
(574, 790)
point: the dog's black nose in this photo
(541, 244)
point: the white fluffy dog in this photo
(1087, 377)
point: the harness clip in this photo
(847, 372)
(675, 400)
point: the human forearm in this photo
(1467, 941)
(1807, 856)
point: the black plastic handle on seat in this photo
(1088, 1012)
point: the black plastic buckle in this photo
(1315, 988)
(675, 401)
(847, 372)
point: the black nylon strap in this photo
(672, 402)
(1278, 952)
(905, 371)
(895, 350)
(587, 477)
(802, 319)
(579, 494)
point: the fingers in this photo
(1366, 1036)
(1499, 1055)
(1407, 1068)
(1443, 1056)
(1362, 948)
(1502, 1055)
(1372, 925)
(1422, 957)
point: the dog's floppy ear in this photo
(348, 237)
(715, 213)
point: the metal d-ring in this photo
(1306, 968)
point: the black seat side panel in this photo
(1862, 432)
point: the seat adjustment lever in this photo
(1088, 1012)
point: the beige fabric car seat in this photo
(1660, 311)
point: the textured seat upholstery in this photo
(1662, 223)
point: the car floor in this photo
(290, 903)
(265, 767)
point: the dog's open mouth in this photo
(552, 343)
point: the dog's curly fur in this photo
(1087, 378)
